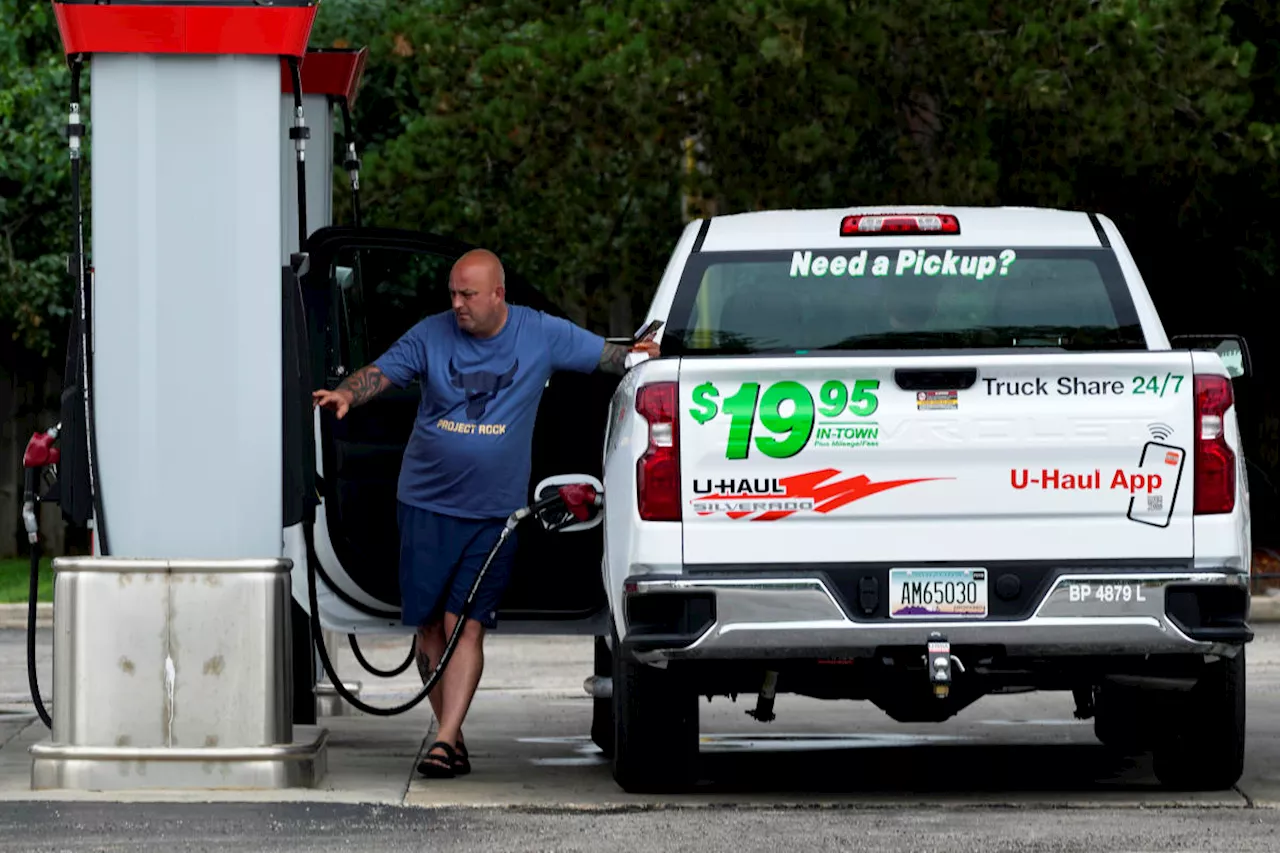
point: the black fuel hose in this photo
(32, 679)
(381, 673)
(28, 511)
(317, 635)
(352, 161)
(75, 130)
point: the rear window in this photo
(902, 298)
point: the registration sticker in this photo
(957, 593)
(937, 400)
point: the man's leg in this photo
(431, 641)
(461, 677)
(426, 557)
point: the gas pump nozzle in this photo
(40, 453)
(29, 505)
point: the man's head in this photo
(477, 290)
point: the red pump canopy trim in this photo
(330, 72)
(262, 30)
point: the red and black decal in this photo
(770, 499)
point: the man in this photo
(483, 366)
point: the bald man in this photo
(483, 367)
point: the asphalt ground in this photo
(1010, 773)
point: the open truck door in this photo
(364, 287)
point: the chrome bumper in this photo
(761, 617)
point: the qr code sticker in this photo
(1155, 503)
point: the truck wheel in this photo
(655, 728)
(1122, 718)
(1204, 751)
(602, 709)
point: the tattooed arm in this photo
(365, 384)
(613, 359)
(360, 387)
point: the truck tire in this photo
(656, 732)
(1204, 749)
(1122, 718)
(602, 709)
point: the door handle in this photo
(935, 379)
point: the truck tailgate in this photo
(961, 459)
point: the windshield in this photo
(902, 298)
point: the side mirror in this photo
(582, 506)
(1232, 349)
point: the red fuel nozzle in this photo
(40, 450)
(578, 499)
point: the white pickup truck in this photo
(917, 457)
(866, 428)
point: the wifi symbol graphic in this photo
(1160, 431)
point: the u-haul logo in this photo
(769, 499)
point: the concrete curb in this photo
(15, 615)
(1263, 608)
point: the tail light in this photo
(658, 471)
(1215, 490)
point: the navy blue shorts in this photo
(440, 556)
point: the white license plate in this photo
(924, 593)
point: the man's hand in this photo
(648, 347)
(361, 386)
(338, 401)
(614, 357)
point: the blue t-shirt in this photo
(469, 452)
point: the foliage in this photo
(548, 132)
(555, 133)
(575, 139)
(35, 178)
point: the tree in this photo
(35, 180)
(556, 133)
(547, 132)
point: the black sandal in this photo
(436, 766)
(461, 764)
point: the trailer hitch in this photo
(939, 663)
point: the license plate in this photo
(922, 593)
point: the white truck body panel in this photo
(1091, 465)
(1095, 466)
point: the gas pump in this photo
(172, 657)
(187, 645)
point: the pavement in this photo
(1014, 773)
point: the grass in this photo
(15, 580)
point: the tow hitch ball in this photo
(939, 663)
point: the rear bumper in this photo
(1197, 612)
